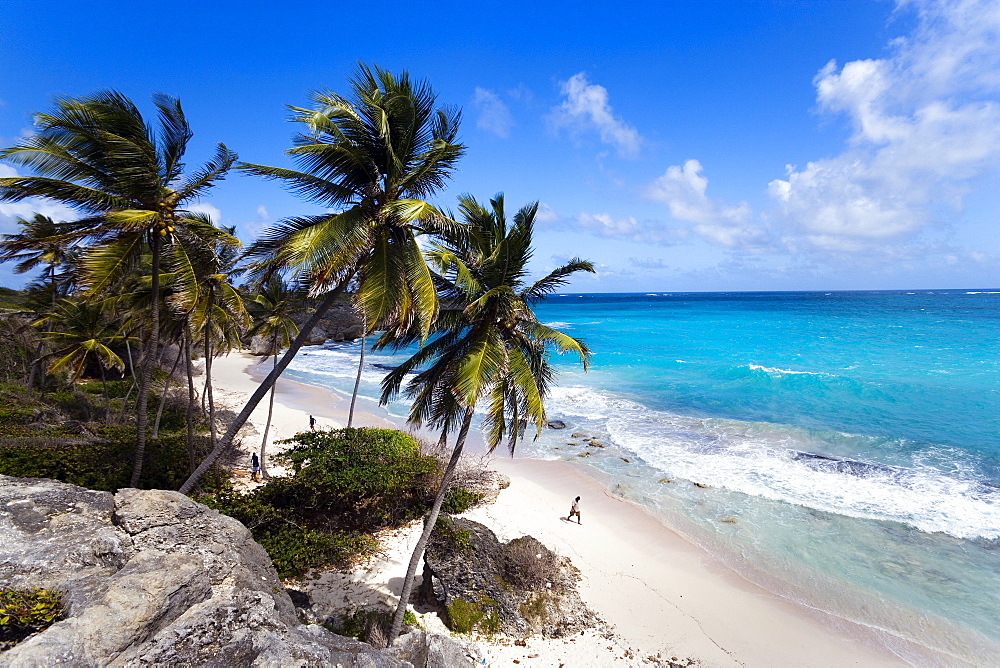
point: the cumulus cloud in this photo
(648, 263)
(925, 120)
(630, 228)
(11, 211)
(205, 208)
(586, 108)
(494, 116)
(682, 188)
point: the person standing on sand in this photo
(312, 423)
(254, 466)
(575, 510)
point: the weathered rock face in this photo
(519, 588)
(341, 323)
(151, 577)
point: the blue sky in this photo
(680, 146)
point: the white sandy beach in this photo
(663, 598)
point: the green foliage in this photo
(116, 388)
(26, 611)
(462, 616)
(365, 477)
(410, 618)
(104, 463)
(15, 416)
(295, 550)
(345, 484)
(461, 539)
(459, 499)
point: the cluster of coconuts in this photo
(163, 228)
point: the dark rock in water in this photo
(848, 466)
(152, 577)
(519, 588)
(556, 424)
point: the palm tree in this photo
(40, 242)
(490, 347)
(272, 309)
(372, 159)
(84, 332)
(98, 155)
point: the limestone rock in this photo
(519, 587)
(154, 578)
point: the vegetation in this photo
(27, 611)
(490, 348)
(138, 284)
(345, 485)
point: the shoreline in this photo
(661, 595)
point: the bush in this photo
(106, 464)
(458, 500)
(26, 611)
(345, 484)
(528, 565)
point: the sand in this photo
(662, 597)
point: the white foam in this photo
(789, 372)
(758, 459)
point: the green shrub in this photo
(458, 500)
(11, 416)
(27, 611)
(461, 539)
(106, 464)
(344, 485)
(462, 616)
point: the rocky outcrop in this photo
(341, 323)
(152, 577)
(519, 588)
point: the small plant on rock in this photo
(26, 611)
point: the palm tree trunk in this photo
(429, 521)
(163, 396)
(357, 382)
(208, 372)
(267, 425)
(107, 397)
(264, 387)
(191, 399)
(142, 418)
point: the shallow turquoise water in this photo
(849, 442)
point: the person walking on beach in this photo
(254, 466)
(312, 423)
(575, 510)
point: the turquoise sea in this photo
(845, 445)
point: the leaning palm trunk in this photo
(429, 521)
(190, 403)
(270, 411)
(263, 388)
(163, 397)
(142, 417)
(357, 382)
(208, 375)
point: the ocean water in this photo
(842, 449)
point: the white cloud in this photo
(683, 190)
(11, 211)
(494, 116)
(211, 211)
(586, 107)
(630, 228)
(925, 120)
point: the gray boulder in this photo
(152, 577)
(519, 588)
(341, 323)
